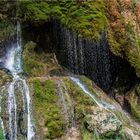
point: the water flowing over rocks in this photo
(91, 58)
(16, 100)
(66, 106)
(86, 57)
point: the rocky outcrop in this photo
(103, 121)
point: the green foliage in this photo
(78, 94)
(86, 135)
(88, 83)
(120, 135)
(37, 63)
(135, 103)
(80, 100)
(33, 11)
(138, 90)
(133, 56)
(1, 134)
(86, 18)
(45, 101)
(6, 29)
(135, 110)
(5, 78)
(138, 43)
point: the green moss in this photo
(37, 63)
(34, 11)
(120, 135)
(86, 135)
(134, 101)
(80, 100)
(6, 30)
(133, 56)
(5, 78)
(78, 94)
(45, 102)
(135, 109)
(1, 134)
(88, 83)
(85, 18)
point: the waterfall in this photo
(91, 58)
(86, 57)
(1, 121)
(14, 64)
(100, 103)
(30, 132)
(114, 108)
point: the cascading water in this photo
(1, 122)
(14, 65)
(113, 108)
(97, 101)
(91, 58)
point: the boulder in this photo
(102, 120)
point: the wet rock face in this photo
(93, 59)
(90, 58)
(21, 115)
(81, 56)
(103, 121)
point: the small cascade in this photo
(1, 121)
(85, 57)
(100, 103)
(30, 132)
(12, 108)
(20, 123)
(114, 108)
(91, 58)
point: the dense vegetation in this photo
(38, 64)
(45, 101)
(86, 18)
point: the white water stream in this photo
(125, 118)
(100, 103)
(14, 65)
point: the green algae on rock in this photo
(45, 101)
(5, 78)
(86, 18)
(38, 63)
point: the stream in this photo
(13, 63)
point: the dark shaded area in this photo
(90, 58)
